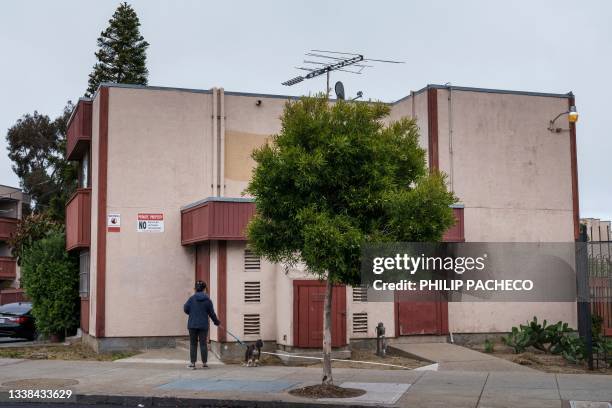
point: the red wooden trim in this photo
(102, 189)
(222, 289)
(85, 314)
(574, 167)
(432, 128)
(202, 258)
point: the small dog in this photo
(253, 354)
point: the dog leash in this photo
(233, 335)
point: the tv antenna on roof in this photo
(323, 62)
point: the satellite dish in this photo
(339, 88)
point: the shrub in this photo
(572, 348)
(489, 346)
(519, 340)
(542, 337)
(50, 278)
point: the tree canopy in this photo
(121, 55)
(36, 145)
(337, 177)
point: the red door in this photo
(420, 313)
(426, 312)
(308, 298)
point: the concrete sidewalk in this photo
(452, 357)
(231, 385)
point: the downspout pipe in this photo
(450, 136)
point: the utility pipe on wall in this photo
(450, 136)
(221, 142)
(213, 184)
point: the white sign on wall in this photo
(113, 222)
(150, 223)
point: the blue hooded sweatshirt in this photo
(199, 307)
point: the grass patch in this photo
(76, 351)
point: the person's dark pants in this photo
(194, 335)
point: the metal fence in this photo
(595, 313)
(600, 282)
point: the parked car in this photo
(16, 320)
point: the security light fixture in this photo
(572, 117)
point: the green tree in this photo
(122, 52)
(30, 229)
(336, 177)
(50, 277)
(37, 147)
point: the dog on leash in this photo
(253, 354)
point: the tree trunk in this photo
(327, 336)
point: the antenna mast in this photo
(333, 61)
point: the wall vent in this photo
(252, 292)
(360, 322)
(252, 263)
(252, 324)
(360, 293)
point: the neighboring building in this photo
(160, 205)
(597, 230)
(11, 210)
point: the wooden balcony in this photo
(8, 226)
(8, 267)
(12, 295)
(78, 135)
(78, 220)
(216, 218)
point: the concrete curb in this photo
(137, 401)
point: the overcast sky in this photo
(252, 46)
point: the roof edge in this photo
(294, 97)
(218, 199)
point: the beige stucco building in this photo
(597, 230)
(161, 203)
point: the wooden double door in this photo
(424, 312)
(308, 301)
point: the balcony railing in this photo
(78, 220)
(78, 135)
(8, 226)
(8, 267)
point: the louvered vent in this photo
(252, 292)
(360, 322)
(252, 263)
(360, 293)
(252, 324)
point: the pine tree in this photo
(122, 52)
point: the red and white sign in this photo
(150, 223)
(113, 222)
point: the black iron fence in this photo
(595, 311)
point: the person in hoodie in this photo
(199, 307)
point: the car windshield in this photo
(15, 308)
